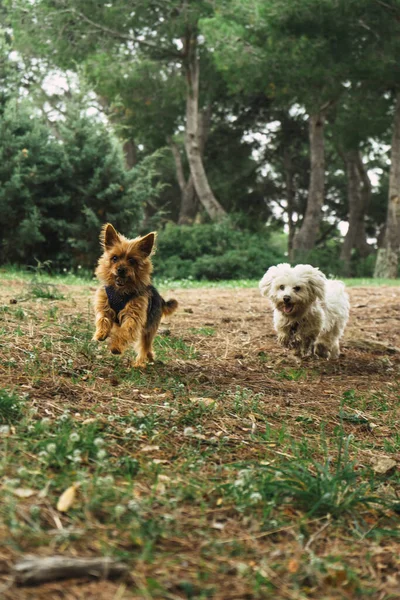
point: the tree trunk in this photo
(358, 194)
(305, 238)
(189, 201)
(130, 153)
(193, 137)
(288, 166)
(388, 255)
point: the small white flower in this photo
(99, 442)
(45, 421)
(239, 483)
(108, 480)
(188, 431)
(110, 418)
(255, 497)
(43, 454)
(119, 510)
(129, 430)
(133, 505)
(101, 454)
(22, 471)
(74, 437)
(245, 473)
(77, 452)
(51, 448)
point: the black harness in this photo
(118, 301)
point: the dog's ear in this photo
(108, 236)
(146, 244)
(266, 282)
(317, 281)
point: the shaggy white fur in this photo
(310, 311)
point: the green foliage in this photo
(213, 252)
(318, 488)
(56, 194)
(10, 406)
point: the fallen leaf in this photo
(204, 401)
(164, 478)
(67, 498)
(293, 565)
(383, 465)
(89, 420)
(149, 448)
(23, 492)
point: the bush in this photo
(214, 252)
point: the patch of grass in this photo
(45, 290)
(293, 374)
(11, 406)
(206, 331)
(311, 486)
(170, 347)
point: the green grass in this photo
(81, 277)
(10, 406)
(262, 484)
(316, 488)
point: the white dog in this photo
(310, 311)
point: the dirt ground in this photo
(231, 335)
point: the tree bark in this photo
(193, 136)
(306, 237)
(189, 201)
(358, 194)
(387, 261)
(288, 166)
(130, 153)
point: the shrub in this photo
(213, 251)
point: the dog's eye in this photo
(114, 259)
(281, 287)
(132, 261)
(297, 288)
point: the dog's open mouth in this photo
(288, 308)
(120, 281)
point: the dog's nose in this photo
(286, 299)
(121, 271)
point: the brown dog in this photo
(128, 308)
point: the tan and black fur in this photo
(128, 308)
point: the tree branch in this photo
(123, 36)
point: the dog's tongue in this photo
(287, 309)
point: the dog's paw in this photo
(285, 340)
(99, 337)
(139, 363)
(321, 350)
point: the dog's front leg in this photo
(104, 316)
(285, 339)
(307, 346)
(124, 334)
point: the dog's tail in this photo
(169, 307)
